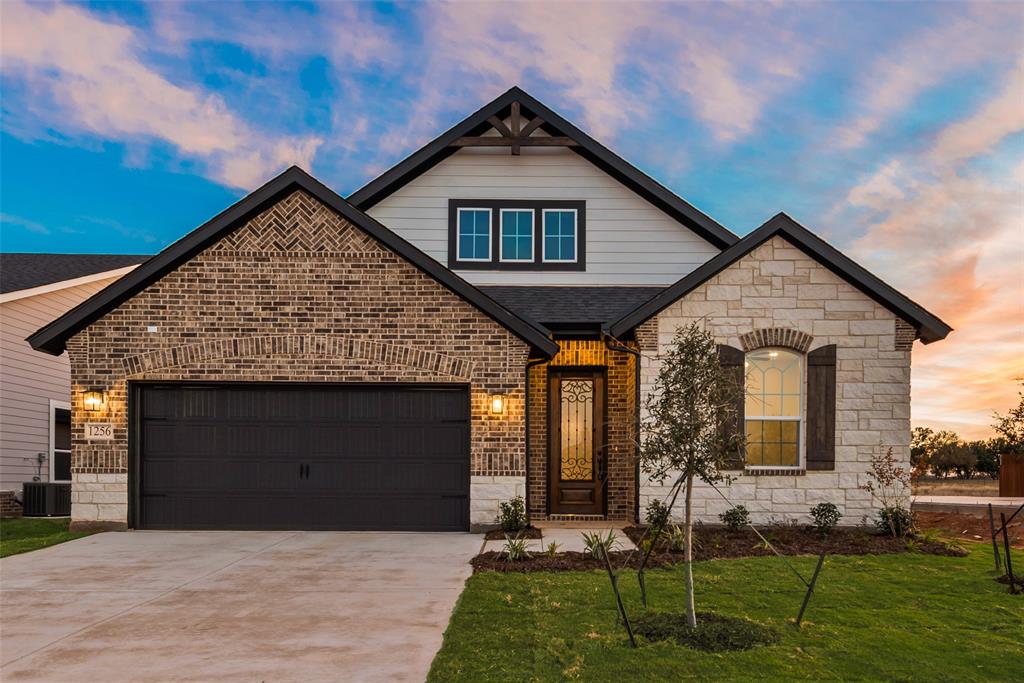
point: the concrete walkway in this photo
(231, 606)
(568, 538)
(966, 504)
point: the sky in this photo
(893, 130)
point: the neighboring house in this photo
(481, 321)
(35, 388)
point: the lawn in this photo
(23, 535)
(873, 617)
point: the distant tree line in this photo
(944, 453)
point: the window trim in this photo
(801, 419)
(575, 242)
(52, 423)
(501, 235)
(490, 234)
(537, 263)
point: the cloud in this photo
(30, 225)
(972, 35)
(951, 234)
(89, 77)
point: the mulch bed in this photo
(492, 561)
(719, 542)
(499, 535)
(1018, 582)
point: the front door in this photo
(576, 428)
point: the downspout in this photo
(613, 344)
(526, 388)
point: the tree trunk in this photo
(691, 613)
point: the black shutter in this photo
(731, 359)
(821, 408)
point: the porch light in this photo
(497, 404)
(94, 400)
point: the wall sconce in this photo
(497, 404)
(94, 400)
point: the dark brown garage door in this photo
(301, 457)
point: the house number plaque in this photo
(99, 431)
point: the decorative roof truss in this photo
(515, 135)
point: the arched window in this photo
(774, 407)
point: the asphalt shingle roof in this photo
(564, 305)
(25, 271)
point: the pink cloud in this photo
(88, 77)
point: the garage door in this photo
(300, 457)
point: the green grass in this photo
(886, 617)
(23, 535)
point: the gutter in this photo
(613, 344)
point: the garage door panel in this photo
(287, 457)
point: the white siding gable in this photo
(628, 240)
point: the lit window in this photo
(517, 235)
(474, 242)
(559, 235)
(774, 378)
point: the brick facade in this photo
(621, 425)
(777, 295)
(297, 294)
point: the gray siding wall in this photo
(29, 379)
(629, 241)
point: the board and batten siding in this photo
(30, 379)
(629, 241)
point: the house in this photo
(35, 388)
(481, 321)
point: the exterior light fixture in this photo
(94, 400)
(497, 404)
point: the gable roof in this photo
(929, 327)
(53, 337)
(19, 271)
(442, 147)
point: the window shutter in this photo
(731, 359)
(821, 408)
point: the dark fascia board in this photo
(52, 337)
(929, 327)
(439, 149)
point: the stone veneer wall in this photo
(779, 287)
(297, 294)
(621, 451)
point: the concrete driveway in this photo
(247, 606)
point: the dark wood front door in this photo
(576, 429)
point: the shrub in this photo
(675, 536)
(516, 548)
(826, 516)
(657, 514)
(713, 633)
(512, 514)
(597, 544)
(735, 517)
(895, 520)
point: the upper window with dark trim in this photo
(516, 234)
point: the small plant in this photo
(512, 514)
(735, 517)
(657, 514)
(552, 549)
(516, 548)
(895, 520)
(675, 536)
(826, 516)
(597, 544)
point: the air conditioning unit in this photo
(46, 500)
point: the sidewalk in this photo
(976, 505)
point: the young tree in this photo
(691, 429)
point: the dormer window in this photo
(516, 234)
